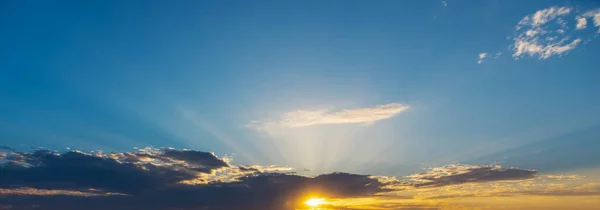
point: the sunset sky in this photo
(265, 105)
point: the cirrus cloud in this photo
(304, 118)
(459, 174)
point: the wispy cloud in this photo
(459, 174)
(46, 192)
(563, 177)
(455, 174)
(303, 118)
(482, 56)
(445, 3)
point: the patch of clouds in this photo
(459, 182)
(161, 178)
(544, 16)
(534, 30)
(304, 118)
(581, 23)
(552, 31)
(595, 15)
(168, 178)
(127, 172)
(445, 3)
(482, 56)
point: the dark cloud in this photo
(349, 184)
(202, 161)
(186, 179)
(247, 169)
(459, 174)
(75, 170)
(155, 179)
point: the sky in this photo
(367, 104)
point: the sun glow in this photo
(315, 201)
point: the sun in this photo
(315, 201)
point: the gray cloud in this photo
(459, 174)
(160, 179)
(186, 179)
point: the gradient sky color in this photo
(368, 87)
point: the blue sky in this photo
(424, 104)
(196, 74)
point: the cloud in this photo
(203, 159)
(160, 179)
(537, 39)
(454, 174)
(481, 57)
(548, 32)
(303, 118)
(418, 192)
(512, 190)
(563, 177)
(593, 14)
(581, 23)
(460, 174)
(543, 16)
(167, 178)
(445, 3)
(120, 172)
(44, 192)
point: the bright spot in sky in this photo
(315, 201)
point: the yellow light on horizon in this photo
(315, 201)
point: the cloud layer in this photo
(168, 178)
(160, 179)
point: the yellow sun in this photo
(315, 201)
